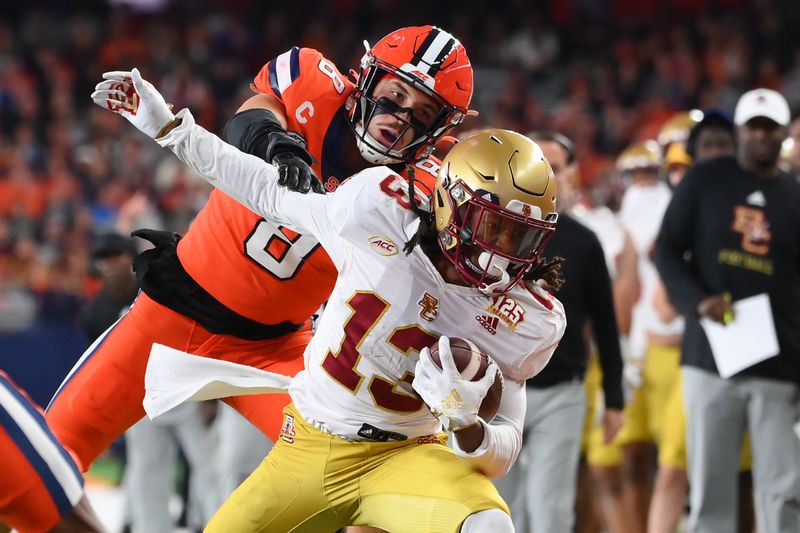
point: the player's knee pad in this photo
(493, 520)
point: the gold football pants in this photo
(312, 481)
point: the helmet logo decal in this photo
(488, 196)
(421, 76)
(526, 210)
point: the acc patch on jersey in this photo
(383, 245)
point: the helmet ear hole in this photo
(439, 199)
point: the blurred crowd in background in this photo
(604, 73)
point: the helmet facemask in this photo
(423, 133)
(493, 247)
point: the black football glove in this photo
(293, 163)
(295, 174)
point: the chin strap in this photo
(497, 267)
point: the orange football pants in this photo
(102, 396)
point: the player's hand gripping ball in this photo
(472, 364)
(458, 383)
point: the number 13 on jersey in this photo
(368, 308)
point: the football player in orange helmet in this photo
(240, 287)
(412, 87)
(431, 61)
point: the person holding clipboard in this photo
(729, 255)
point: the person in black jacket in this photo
(732, 230)
(541, 487)
(113, 255)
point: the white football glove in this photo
(451, 398)
(135, 98)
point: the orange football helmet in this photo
(428, 59)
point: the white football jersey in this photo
(641, 212)
(386, 305)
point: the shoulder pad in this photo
(302, 71)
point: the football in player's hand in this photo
(472, 364)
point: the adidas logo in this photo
(756, 198)
(488, 322)
(453, 401)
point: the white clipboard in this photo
(749, 339)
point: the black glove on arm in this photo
(258, 132)
(293, 163)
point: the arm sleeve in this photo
(258, 132)
(502, 438)
(675, 239)
(254, 183)
(600, 302)
(249, 131)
